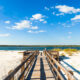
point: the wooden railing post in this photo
(9, 73)
(70, 73)
(45, 52)
(58, 68)
(22, 69)
(58, 71)
(25, 63)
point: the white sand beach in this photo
(8, 61)
(72, 63)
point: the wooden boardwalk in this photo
(40, 66)
(42, 70)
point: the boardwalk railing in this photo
(24, 68)
(58, 69)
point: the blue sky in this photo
(39, 22)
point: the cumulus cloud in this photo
(77, 17)
(4, 35)
(7, 22)
(40, 31)
(38, 17)
(67, 9)
(23, 24)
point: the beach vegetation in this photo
(70, 53)
(56, 49)
(62, 54)
(70, 50)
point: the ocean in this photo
(33, 48)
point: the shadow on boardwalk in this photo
(42, 72)
(30, 74)
(42, 75)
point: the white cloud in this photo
(77, 17)
(67, 9)
(40, 31)
(34, 27)
(4, 35)
(46, 8)
(23, 24)
(7, 22)
(38, 17)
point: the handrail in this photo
(54, 68)
(11, 75)
(25, 69)
(69, 76)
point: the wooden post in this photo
(9, 73)
(22, 69)
(70, 73)
(58, 57)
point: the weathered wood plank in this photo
(42, 70)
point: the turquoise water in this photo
(35, 48)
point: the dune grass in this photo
(56, 49)
(70, 52)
